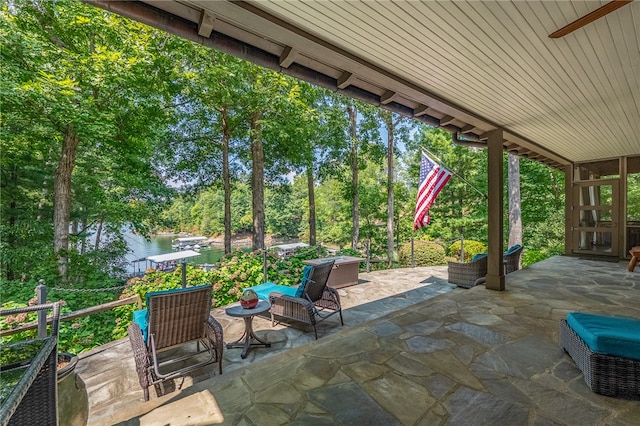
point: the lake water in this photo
(142, 248)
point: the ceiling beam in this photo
(446, 120)
(346, 79)
(288, 56)
(205, 26)
(421, 110)
(388, 97)
(467, 129)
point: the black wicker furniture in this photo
(605, 374)
(470, 274)
(32, 366)
(175, 318)
(317, 303)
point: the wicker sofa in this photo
(470, 274)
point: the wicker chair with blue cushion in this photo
(511, 258)
(470, 274)
(174, 318)
(311, 302)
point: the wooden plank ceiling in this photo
(468, 67)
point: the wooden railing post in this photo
(264, 265)
(41, 292)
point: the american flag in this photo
(432, 179)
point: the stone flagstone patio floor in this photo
(467, 357)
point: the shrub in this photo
(471, 248)
(426, 253)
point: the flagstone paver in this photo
(461, 358)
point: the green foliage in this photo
(283, 213)
(75, 336)
(74, 72)
(426, 253)
(471, 248)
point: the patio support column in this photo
(495, 275)
(568, 212)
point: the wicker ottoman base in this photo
(604, 374)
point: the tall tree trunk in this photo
(353, 115)
(75, 226)
(312, 205)
(257, 181)
(390, 135)
(226, 181)
(99, 233)
(515, 213)
(83, 241)
(62, 197)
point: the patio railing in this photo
(43, 320)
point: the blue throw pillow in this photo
(478, 257)
(305, 279)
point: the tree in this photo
(213, 123)
(395, 127)
(74, 76)
(515, 215)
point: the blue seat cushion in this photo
(478, 257)
(608, 335)
(141, 316)
(512, 249)
(305, 280)
(263, 290)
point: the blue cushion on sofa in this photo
(478, 257)
(608, 335)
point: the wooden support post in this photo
(184, 273)
(41, 292)
(495, 275)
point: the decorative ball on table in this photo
(249, 299)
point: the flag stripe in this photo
(432, 179)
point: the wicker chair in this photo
(317, 303)
(511, 259)
(175, 318)
(33, 401)
(468, 275)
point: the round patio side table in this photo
(249, 338)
